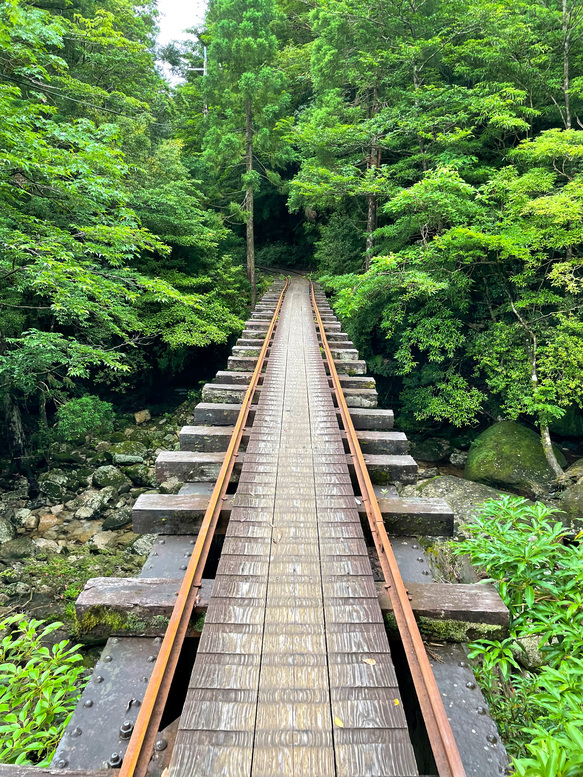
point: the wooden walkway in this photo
(293, 674)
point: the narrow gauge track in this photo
(278, 685)
(141, 744)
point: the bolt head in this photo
(107, 659)
(88, 703)
(98, 679)
(62, 763)
(161, 744)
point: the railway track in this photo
(293, 673)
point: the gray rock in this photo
(140, 475)
(95, 502)
(123, 458)
(572, 505)
(108, 475)
(433, 449)
(171, 486)
(103, 539)
(527, 653)
(20, 519)
(458, 458)
(142, 416)
(54, 484)
(47, 546)
(575, 471)
(118, 519)
(21, 547)
(463, 496)
(129, 448)
(509, 455)
(143, 545)
(7, 531)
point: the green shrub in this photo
(82, 416)
(540, 578)
(39, 689)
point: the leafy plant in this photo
(82, 416)
(539, 576)
(39, 689)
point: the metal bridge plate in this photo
(99, 730)
(169, 557)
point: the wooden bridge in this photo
(271, 539)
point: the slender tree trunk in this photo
(14, 428)
(371, 225)
(249, 204)
(545, 434)
(566, 54)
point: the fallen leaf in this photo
(339, 722)
(396, 702)
(370, 661)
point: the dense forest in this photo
(422, 158)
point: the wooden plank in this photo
(175, 513)
(114, 606)
(475, 603)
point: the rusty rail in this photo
(445, 751)
(141, 744)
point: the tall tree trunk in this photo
(545, 434)
(566, 54)
(249, 204)
(14, 429)
(371, 225)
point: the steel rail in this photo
(143, 738)
(443, 744)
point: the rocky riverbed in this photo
(78, 524)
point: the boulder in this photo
(128, 452)
(118, 519)
(433, 449)
(21, 547)
(144, 544)
(140, 475)
(65, 453)
(572, 505)
(575, 471)
(103, 539)
(95, 502)
(458, 458)
(171, 486)
(142, 416)
(509, 455)
(108, 475)
(7, 531)
(463, 496)
(46, 522)
(47, 546)
(55, 483)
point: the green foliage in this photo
(82, 416)
(540, 577)
(39, 689)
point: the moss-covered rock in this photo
(19, 548)
(109, 475)
(572, 505)
(511, 456)
(140, 475)
(55, 484)
(128, 452)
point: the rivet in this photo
(161, 744)
(187, 555)
(481, 710)
(62, 763)
(191, 542)
(115, 640)
(425, 572)
(155, 553)
(145, 679)
(107, 659)
(471, 685)
(161, 542)
(414, 547)
(151, 659)
(76, 732)
(98, 679)
(492, 739)
(420, 558)
(157, 640)
(183, 567)
(134, 703)
(88, 703)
